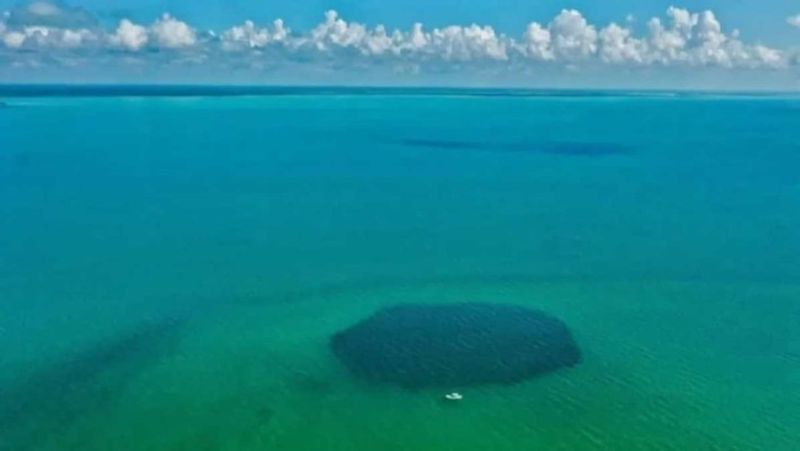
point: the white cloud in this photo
(768, 56)
(536, 43)
(248, 36)
(335, 32)
(44, 9)
(44, 13)
(14, 39)
(682, 38)
(455, 43)
(76, 38)
(618, 45)
(794, 21)
(573, 37)
(171, 33)
(129, 36)
(48, 37)
(698, 39)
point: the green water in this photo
(172, 269)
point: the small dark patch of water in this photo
(21, 159)
(455, 345)
(584, 149)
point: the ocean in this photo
(174, 262)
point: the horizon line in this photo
(67, 89)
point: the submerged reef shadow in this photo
(43, 404)
(566, 148)
(420, 346)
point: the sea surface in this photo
(174, 261)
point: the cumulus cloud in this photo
(171, 33)
(794, 21)
(166, 32)
(249, 36)
(37, 37)
(129, 36)
(573, 37)
(618, 45)
(536, 44)
(453, 43)
(468, 43)
(681, 38)
(44, 13)
(698, 39)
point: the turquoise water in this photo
(171, 268)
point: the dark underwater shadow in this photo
(566, 148)
(455, 345)
(37, 408)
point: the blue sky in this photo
(722, 43)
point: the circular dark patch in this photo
(455, 345)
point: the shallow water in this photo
(171, 269)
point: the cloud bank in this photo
(47, 33)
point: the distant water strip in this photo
(65, 90)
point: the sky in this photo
(696, 44)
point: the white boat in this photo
(455, 396)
